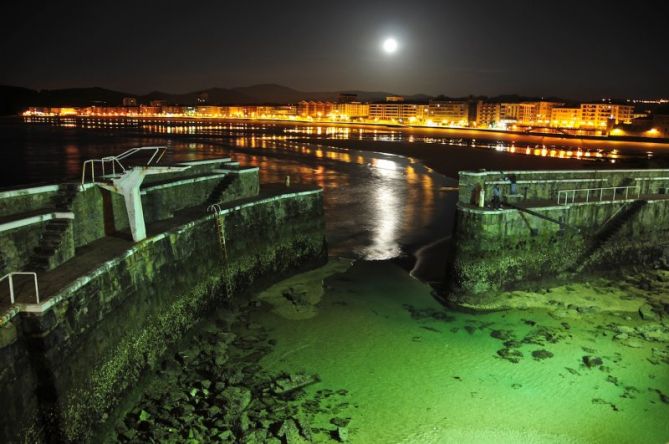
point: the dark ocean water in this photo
(377, 206)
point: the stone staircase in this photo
(48, 254)
(608, 231)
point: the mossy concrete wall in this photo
(507, 249)
(20, 407)
(95, 338)
(17, 245)
(89, 207)
(160, 202)
(27, 199)
(546, 184)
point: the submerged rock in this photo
(510, 355)
(341, 434)
(539, 355)
(289, 383)
(592, 361)
(504, 335)
(663, 397)
(647, 313)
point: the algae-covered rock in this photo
(592, 361)
(539, 355)
(647, 313)
(510, 355)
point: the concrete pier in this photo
(557, 225)
(111, 306)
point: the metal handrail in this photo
(158, 151)
(595, 194)
(11, 283)
(214, 208)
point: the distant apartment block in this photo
(530, 113)
(487, 114)
(310, 108)
(397, 111)
(600, 115)
(449, 112)
(353, 110)
(566, 117)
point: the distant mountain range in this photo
(15, 99)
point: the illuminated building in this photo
(487, 114)
(449, 112)
(315, 109)
(209, 111)
(283, 110)
(397, 111)
(173, 110)
(509, 111)
(543, 111)
(534, 113)
(129, 101)
(150, 110)
(394, 99)
(600, 115)
(566, 117)
(353, 109)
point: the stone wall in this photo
(545, 184)
(27, 199)
(97, 336)
(91, 209)
(508, 249)
(17, 245)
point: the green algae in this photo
(418, 373)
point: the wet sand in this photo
(450, 159)
(416, 372)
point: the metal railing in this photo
(605, 194)
(10, 277)
(214, 208)
(113, 161)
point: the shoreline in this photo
(425, 129)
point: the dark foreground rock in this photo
(214, 390)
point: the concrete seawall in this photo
(533, 238)
(68, 362)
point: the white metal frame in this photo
(158, 151)
(214, 208)
(596, 194)
(10, 278)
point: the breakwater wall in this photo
(68, 361)
(553, 225)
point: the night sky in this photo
(572, 49)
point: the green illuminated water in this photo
(436, 376)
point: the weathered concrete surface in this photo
(508, 249)
(68, 366)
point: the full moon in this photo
(389, 45)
